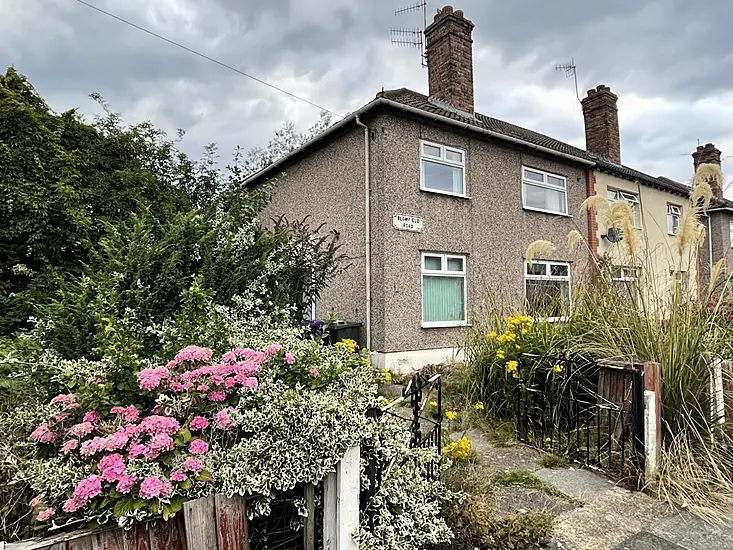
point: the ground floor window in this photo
(443, 290)
(626, 282)
(547, 289)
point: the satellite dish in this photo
(614, 235)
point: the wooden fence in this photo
(220, 523)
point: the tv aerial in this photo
(412, 37)
(570, 69)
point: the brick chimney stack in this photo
(449, 51)
(601, 123)
(708, 154)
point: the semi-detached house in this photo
(435, 205)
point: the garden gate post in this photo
(341, 503)
(652, 420)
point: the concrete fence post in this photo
(717, 401)
(341, 503)
(652, 420)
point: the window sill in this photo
(551, 212)
(448, 324)
(447, 193)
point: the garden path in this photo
(591, 512)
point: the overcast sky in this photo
(670, 62)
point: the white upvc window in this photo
(626, 282)
(442, 169)
(444, 293)
(674, 214)
(614, 195)
(544, 191)
(547, 289)
(730, 230)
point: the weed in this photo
(523, 478)
(551, 460)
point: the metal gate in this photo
(586, 410)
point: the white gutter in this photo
(419, 112)
(367, 234)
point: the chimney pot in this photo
(600, 114)
(449, 52)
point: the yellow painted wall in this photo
(658, 253)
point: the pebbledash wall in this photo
(490, 228)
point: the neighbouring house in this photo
(435, 205)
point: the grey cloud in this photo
(337, 54)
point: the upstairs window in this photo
(547, 289)
(614, 195)
(443, 290)
(730, 231)
(674, 213)
(544, 191)
(442, 169)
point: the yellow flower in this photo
(492, 335)
(557, 368)
(433, 403)
(347, 344)
(458, 450)
(515, 374)
(479, 406)
(524, 331)
(511, 366)
(500, 354)
(386, 376)
(389, 400)
(451, 415)
(366, 362)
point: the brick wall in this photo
(601, 123)
(449, 49)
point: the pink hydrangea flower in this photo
(250, 383)
(46, 514)
(192, 464)
(171, 364)
(229, 357)
(136, 451)
(88, 488)
(92, 417)
(159, 424)
(126, 483)
(289, 358)
(198, 447)
(198, 423)
(223, 419)
(94, 381)
(72, 505)
(35, 501)
(63, 398)
(178, 476)
(112, 467)
(176, 387)
(161, 443)
(69, 446)
(217, 396)
(150, 453)
(93, 446)
(315, 371)
(149, 379)
(187, 385)
(61, 417)
(272, 349)
(43, 434)
(230, 382)
(117, 440)
(129, 413)
(153, 487)
(82, 429)
(202, 387)
(194, 353)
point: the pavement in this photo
(597, 515)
